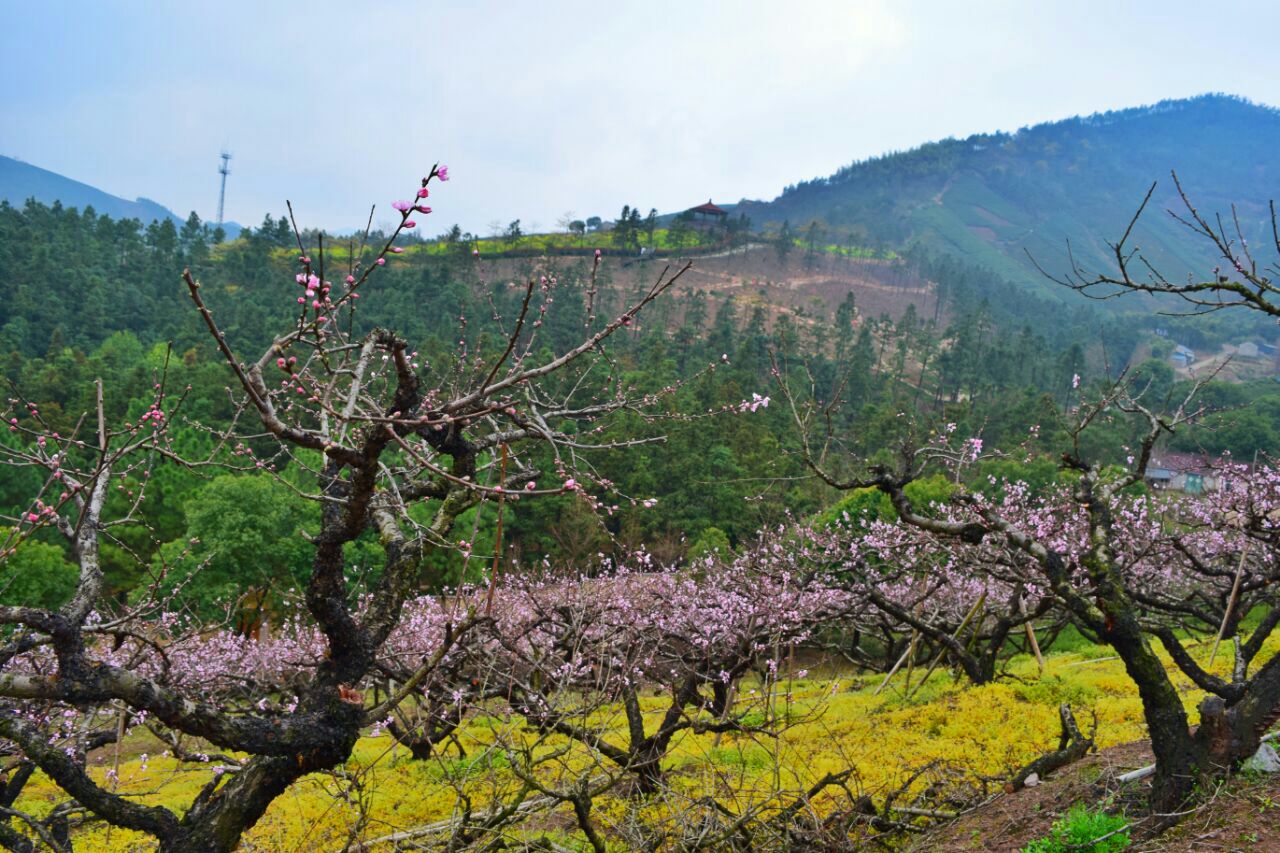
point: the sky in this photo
(547, 109)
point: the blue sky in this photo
(544, 108)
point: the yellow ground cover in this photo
(838, 723)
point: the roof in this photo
(709, 208)
(1185, 463)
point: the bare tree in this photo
(1240, 280)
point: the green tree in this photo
(681, 230)
(783, 242)
(1156, 377)
(513, 234)
(812, 237)
(624, 228)
(711, 542)
(244, 536)
(36, 575)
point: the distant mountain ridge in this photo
(20, 181)
(995, 199)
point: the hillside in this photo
(20, 181)
(994, 198)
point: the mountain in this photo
(20, 181)
(996, 198)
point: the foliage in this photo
(1082, 829)
(993, 197)
(36, 574)
(243, 535)
(712, 542)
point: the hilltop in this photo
(20, 181)
(993, 198)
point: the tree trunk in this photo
(221, 815)
(1178, 763)
(216, 824)
(1230, 734)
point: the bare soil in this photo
(805, 291)
(1242, 814)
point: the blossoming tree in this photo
(395, 445)
(1126, 574)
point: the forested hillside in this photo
(87, 296)
(994, 198)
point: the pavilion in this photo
(707, 215)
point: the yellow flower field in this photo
(837, 723)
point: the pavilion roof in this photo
(710, 209)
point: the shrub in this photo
(1083, 830)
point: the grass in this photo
(338, 251)
(1084, 831)
(837, 723)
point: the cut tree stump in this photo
(1072, 746)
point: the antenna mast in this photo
(223, 170)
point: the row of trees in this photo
(392, 459)
(1123, 569)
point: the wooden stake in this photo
(1231, 601)
(982, 599)
(497, 547)
(1235, 589)
(911, 660)
(896, 666)
(1031, 636)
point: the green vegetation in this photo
(840, 720)
(91, 297)
(1083, 829)
(991, 198)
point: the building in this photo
(707, 215)
(1183, 356)
(1192, 473)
